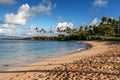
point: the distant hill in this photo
(10, 37)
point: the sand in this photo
(39, 70)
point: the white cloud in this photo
(64, 25)
(21, 17)
(8, 31)
(11, 30)
(59, 18)
(8, 26)
(95, 21)
(42, 8)
(7, 2)
(25, 12)
(31, 31)
(100, 3)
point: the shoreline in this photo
(5, 67)
(97, 48)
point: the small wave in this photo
(80, 49)
(5, 65)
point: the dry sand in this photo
(38, 70)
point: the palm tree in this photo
(81, 28)
(42, 30)
(74, 31)
(113, 23)
(37, 29)
(104, 20)
(109, 21)
(58, 29)
(68, 30)
(86, 28)
(95, 30)
(51, 31)
(91, 30)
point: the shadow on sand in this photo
(73, 71)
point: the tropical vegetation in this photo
(107, 29)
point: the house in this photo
(117, 28)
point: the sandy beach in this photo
(44, 70)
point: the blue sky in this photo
(20, 17)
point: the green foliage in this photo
(61, 38)
(96, 37)
(111, 38)
(40, 30)
(102, 31)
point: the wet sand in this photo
(91, 63)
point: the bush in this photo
(61, 38)
(111, 39)
(96, 37)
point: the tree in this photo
(51, 31)
(109, 21)
(43, 30)
(113, 23)
(104, 30)
(95, 30)
(91, 30)
(86, 28)
(74, 31)
(69, 30)
(58, 29)
(37, 29)
(81, 28)
(104, 20)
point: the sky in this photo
(20, 17)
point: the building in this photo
(117, 28)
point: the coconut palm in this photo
(109, 21)
(58, 29)
(104, 20)
(68, 30)
(86, 28)
(37, 29)
(81, 28)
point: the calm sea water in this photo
(14, 52)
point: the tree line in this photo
(108, 27)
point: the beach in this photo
(58, 68)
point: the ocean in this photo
(21, 52)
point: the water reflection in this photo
(17, 51)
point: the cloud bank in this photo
(19, 18)
(100, 3)
(95, 21)
(64, 25)
(8, 26)
(8, 2)
(25, 12)
(59, 18)
(13, 31)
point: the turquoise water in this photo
(14, 52)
